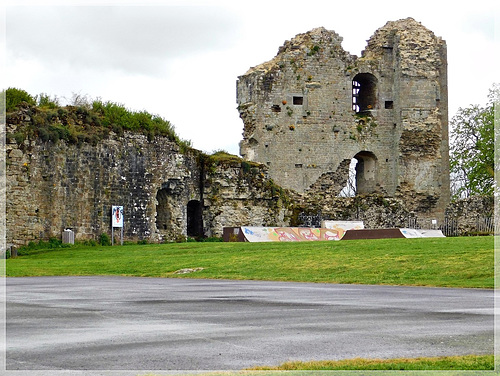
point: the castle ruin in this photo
(314, 108)
(308, 114)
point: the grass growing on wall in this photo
(446, 262)
(84, 121)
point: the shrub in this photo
(61, 131)
(44, 134)
(14, 97)
(184, 146)
(19, 137)
(213, 239)
(44, 100)
(104, 239)
(245, 166)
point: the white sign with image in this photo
(117, 216)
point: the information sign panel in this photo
(117, 216)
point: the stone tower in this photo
(314, 108)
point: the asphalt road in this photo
(120, 323)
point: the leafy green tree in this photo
(472, 152)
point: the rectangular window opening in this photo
(389, 105)
(298, 165)
(298, 101)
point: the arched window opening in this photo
(364, 92)
(194, 219)
(163, 215)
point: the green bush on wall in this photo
(14, 97)
(85, 121)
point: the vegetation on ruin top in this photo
(220, 157)
(84, 121)
(445, 262)
(223, 158)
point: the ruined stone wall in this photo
(292, 108)
(167, 195)
(470, 214)
(375, 211)
(418, 96)
(241, 194)
(51, 187)
(300, 118)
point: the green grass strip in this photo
(467, 362)
(446, 262)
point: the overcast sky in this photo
(181, 59)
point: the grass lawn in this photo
(465, 363)
(468, 362)
(447, 262)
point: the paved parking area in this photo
(122, 323)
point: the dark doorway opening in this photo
(163, 215)
(194, 219)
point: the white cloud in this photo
(130, 39)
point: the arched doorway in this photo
(364, 92)
(163, 213)
(366, 172)
(194, 219)
(362, 177)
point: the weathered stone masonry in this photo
(55, 186)
(166, 195)
(314, 107)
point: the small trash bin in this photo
(68, 236)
